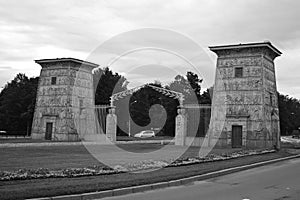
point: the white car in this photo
(145, 134)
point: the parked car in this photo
(146, 133)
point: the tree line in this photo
(17, 103)
(137, 116)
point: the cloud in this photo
(6, 75)
(45, 29)
(4, 68)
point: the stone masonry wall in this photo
(67, 103)
(245, 101)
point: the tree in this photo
(106, 83)
(206, 96)
(289, 114)
(189, 86)
(17, 102)
(140, 103)
(194, 82)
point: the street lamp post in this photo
(129, 125)
(129, 134)
(292, 119)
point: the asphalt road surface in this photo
(279, 181)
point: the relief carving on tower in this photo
(244, 84)
(244, 61)
(268, 64)
(269, 75)
(246, 98)
(270, 86)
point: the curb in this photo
(172, 183)
(43, 144)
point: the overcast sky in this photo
(38, 29)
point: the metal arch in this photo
(170, 93)
(166, 92)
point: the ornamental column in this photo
(181, 127)
(111, 125)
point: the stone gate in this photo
(244, 94)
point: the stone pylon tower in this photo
(65, 100)
(245, 103)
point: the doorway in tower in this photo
(236, 138)
(49, 128)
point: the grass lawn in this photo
(52, 157)
(73, 156)
(60, 186)
(19, 140)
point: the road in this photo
(278, 181)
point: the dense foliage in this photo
(289, 114)
(17, 101)
(107, 83)
(150, 109)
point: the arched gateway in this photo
(111, 119)
(245, 94)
